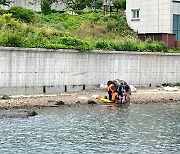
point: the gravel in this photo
(142, 95)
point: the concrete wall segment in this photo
(34, 68)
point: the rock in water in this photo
(60, 103)
(16, 113)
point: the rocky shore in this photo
(142, 95)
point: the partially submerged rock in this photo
(16, 113)
(91, 102)
(60, 103)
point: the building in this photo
(34, 5)
(158, 19)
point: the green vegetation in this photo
(176, 84)
(89, 30)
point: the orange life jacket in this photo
(114, 96)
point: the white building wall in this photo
(155, 16)
(26, 71)
(175, 9)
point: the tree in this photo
(4, 2)
(119, 4)
(46, 5)
(98, 4)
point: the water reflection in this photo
(149, 128)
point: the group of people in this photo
(118, 94)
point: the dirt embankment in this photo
(142, 95)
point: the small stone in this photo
(60, 103)
(92, 102)
(6, 97)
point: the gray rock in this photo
(60, 103)
(14, 113)
(6, 97)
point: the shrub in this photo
(11, 38)
(75, 43)
(174, 51)
(130, 45)
(103, 44)
(176, 84)
(23, 14)
(2, 11)
(6, 21)
(55, 46)
(163, 45)
(156, 47)
(35, 40)
(46, 7)
(142, 47)
(72, 43)
(125, 45)
(119, 46)
(118, 23)
(120, 4)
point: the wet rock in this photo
(6, 97)
(14, 113)
(166, 84)
(33, 113)
(77, 102)
(60, 103)
(91, 102)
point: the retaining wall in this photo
(29, 71)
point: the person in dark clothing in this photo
(120, 91)
(127, 92)
(127, 88)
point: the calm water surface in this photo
(148, 128)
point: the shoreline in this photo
(141, 96)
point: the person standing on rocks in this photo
(110, 89)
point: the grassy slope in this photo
(90, 26)
(87, 31)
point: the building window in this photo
(135, 14)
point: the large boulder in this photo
(14, 113)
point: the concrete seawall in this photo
(29, 71)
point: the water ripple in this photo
(141, 128)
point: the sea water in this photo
(140, 128)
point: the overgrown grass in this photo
(176, 84)
(83, 32)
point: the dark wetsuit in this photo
(120, 90)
